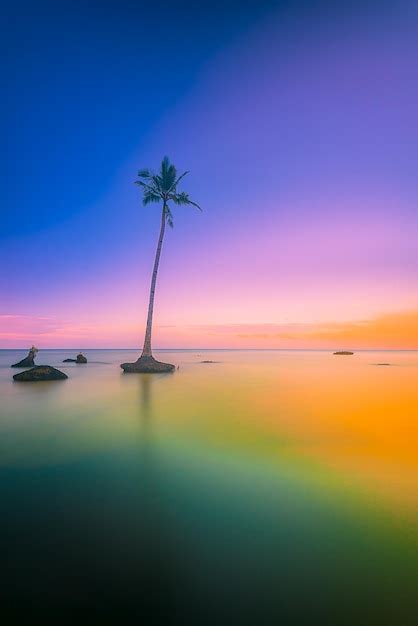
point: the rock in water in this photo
(80, 359)
(28, 361)
(39, 373)
(344, 353)
(147, 365)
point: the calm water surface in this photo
(265, 488)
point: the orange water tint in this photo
(343, 421)
(351, 415)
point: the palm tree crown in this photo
(162, 187)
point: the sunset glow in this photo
(305, 169)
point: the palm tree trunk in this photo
(147, 351)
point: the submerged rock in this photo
(147, 365)
(28, 361)
(344, 353)
(39, 373)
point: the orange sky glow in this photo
(392, 331)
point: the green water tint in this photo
(179, 498)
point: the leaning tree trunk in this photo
(147, 350)
(146, 364)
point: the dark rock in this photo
(40, 372)
(209, 361)
(147, 365)
(28, 361)
(80, 359)
(386, 364)
(344, 353)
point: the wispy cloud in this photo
(20, 330)
(24, 326)
(391, 330)
(395, 330)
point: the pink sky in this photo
(305, 167)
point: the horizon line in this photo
(231, 349)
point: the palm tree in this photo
(161, 187)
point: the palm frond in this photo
(195, 204)
(145, 173)
(149, 197)
(152, 187)
(157, 182)
(183, 198)
(176, 182)
(165, 166)
(168, 174)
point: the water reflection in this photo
(156, 581)
(227, 490)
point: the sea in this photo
(247, 487)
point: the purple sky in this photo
(301, 137)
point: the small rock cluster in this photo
(38, 373)
(80, 359)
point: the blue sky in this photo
(298, 123)
(86, 83)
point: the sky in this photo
(297, 121)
